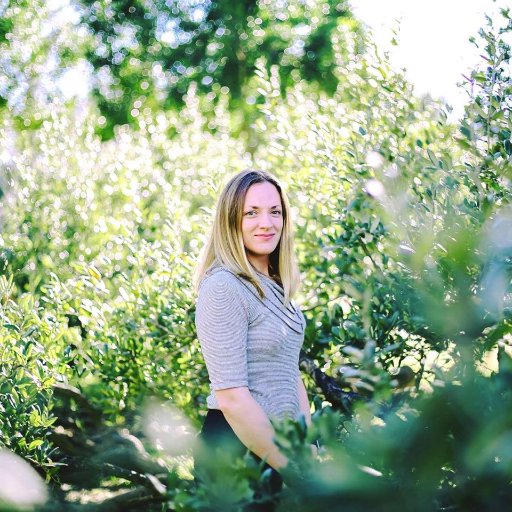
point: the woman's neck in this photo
(260, 265)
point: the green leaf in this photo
(432, 157)
(35, 444)
(12, 327)
(94, 272)
(466, 132)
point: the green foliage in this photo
(353, 284)
(112, 251)
(93, 194)
(448, 451)
(31, 360)
(486, 132)
(152, 53)
(136, 329)
(39, 42)
(5, 27)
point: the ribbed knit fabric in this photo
(250, 342)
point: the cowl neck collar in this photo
(273, 300)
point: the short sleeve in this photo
(222, 322)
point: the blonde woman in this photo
(249, 328)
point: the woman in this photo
(249, 329)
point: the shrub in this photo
(31, 361)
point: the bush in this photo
(31, 361)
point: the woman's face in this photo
(262, 221)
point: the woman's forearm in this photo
(251, 425)
(304, 406)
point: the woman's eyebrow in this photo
(257, 207)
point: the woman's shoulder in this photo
(219, 277)
(221, 291)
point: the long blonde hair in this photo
(225, 244)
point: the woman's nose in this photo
(265, 220)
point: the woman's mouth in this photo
(265, 237)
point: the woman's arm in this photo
(251, 424)
(304, 406)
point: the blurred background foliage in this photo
(152, 52)
(119, 123)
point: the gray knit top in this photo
(247, 341)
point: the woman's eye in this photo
(252, 213)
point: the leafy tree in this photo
(486, 132)
(39, 44)
(147, 54)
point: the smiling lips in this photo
(266, 237)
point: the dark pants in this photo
(216, 432)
